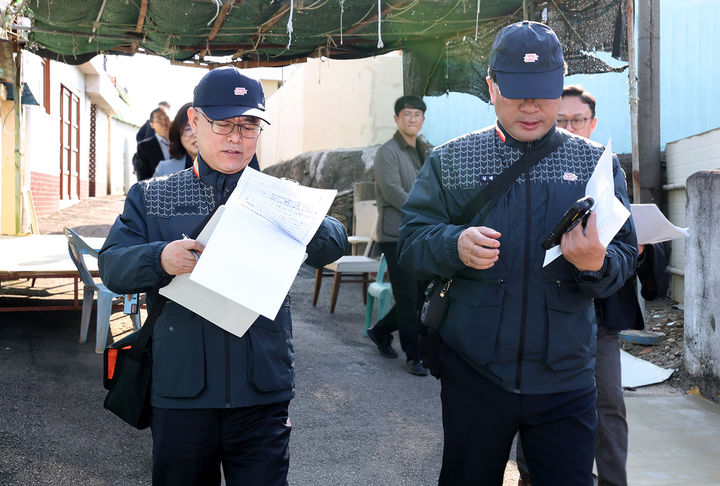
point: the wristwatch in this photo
(587, 276)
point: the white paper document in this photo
(651, 225)
(611, 214)
(254, 246)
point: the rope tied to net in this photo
(342, 9)
(380, 44)
(289, 24)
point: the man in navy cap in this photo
(517, 344)
(218, 400)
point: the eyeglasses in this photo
(577, 123)
(224, 127)
(409, 115)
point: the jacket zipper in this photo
(227, 370)
(526, 276)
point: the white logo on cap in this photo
(531, 57)
(240, 91)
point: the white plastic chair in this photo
(78, 248)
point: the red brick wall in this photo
(45, 189)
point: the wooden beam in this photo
(216, 26)
(264, 27)
(274, 19)
(140, 22)
(141, 16)
(374, 18)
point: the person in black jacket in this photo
(218, 400)
(518, 339)
(146, 131)
(154, 149)
(615, 313)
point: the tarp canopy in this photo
(445, 42)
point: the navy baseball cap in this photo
(528, 61)
(225, 93)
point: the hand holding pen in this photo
(180, 256)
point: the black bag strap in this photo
(146, 330)
(485, 199)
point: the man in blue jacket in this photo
(518, 338)
(218, 399)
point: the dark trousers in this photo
(250, 443)
(480, 420)
(403, 315)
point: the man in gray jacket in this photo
(397, 163)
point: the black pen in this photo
(194, 253)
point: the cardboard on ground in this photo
(254, 246)
(651, 225)
(611, 214)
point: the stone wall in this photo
(702, 275)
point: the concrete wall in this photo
(329, 104)
(702, 275)
(683, 158)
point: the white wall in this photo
(330, 104)
(683, 158)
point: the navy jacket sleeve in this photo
(621, 255)
(427, 244)
(329, 243)
(128, 261)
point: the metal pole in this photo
(648, 49)
(17, 93)
(633, 97)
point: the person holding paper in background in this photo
(614, 313)
(518, 339)
(218, 400)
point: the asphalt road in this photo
(358, 418)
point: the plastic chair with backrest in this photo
(380, 290)
(78, 249)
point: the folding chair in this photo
(78, 249)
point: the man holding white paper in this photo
(517, 350)
(219, 400)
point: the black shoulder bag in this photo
(435, 305)
(127, 365)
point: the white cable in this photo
(380, 44)
(477, 19)
(218, 3)
(289, 24)
(342, 8)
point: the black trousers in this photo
(480, 420)
(403, 316)
(250, 443)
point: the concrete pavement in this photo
(358, 418)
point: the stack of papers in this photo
(651, 225)
(254, 246)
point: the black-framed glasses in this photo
(577, 123)
(224, 127)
